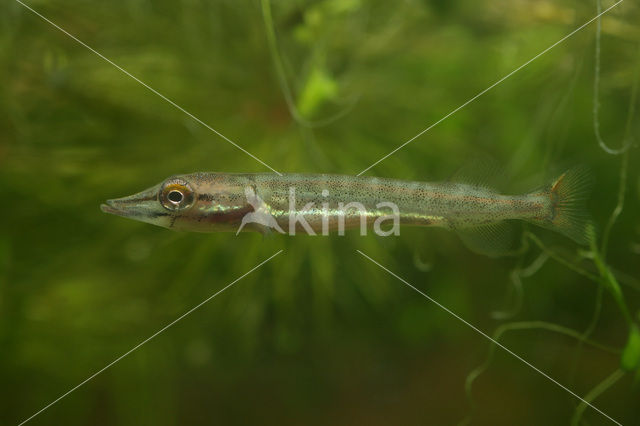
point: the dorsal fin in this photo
(482, 172)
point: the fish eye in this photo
(176, 194)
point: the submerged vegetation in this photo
(319, 334)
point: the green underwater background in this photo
(319, 334)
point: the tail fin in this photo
(569, 194)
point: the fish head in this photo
(195, 202)
(159, 205)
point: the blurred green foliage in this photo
(319, 335)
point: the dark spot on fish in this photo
(137, 200)
(233, 216)
(158, 214)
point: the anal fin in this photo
(494, 240)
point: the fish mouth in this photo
(140, 204)
(143, 207)
(117, 207)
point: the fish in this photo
(325, 204)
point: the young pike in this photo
(314, 204)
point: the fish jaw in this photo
(143, 207)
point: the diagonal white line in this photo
(150, 88)
(492, 86)
(491, 339)
(149, 338)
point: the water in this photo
(318, 334)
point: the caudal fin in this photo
(569, 194)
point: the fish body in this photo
(324, 204)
